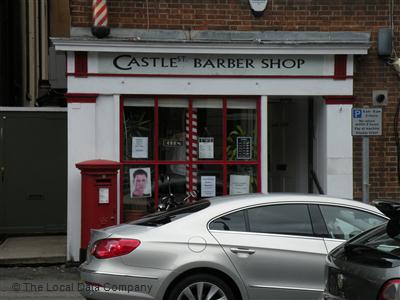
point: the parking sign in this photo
(366, 121)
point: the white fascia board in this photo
(318, 48)
(215, 86)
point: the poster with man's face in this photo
(140, 182)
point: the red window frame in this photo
(156, 162)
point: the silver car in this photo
(227, 248)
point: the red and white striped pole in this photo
(100, 28)
(191, 131)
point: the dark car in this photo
(367, 267)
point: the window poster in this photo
(208, 188)
(140, 146)
(243, 145)
(206, 147)
(239, 184)
(140, 182)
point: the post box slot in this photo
(100, 181)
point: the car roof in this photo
(229, 203)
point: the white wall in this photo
(339, 151)
(320, 142)
(93, 133)
(333, 148)
(264, 144)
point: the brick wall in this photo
(371, 72)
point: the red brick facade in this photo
(371, 72)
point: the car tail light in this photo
(390, 290)
(108, 248)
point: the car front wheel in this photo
(202, 287)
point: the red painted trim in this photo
(215, 76)
(339, 100)
(155, 151)
(80, 98)
(258, 114)
(121, 156)
(340, 67)
(81, 64)
(224, 145)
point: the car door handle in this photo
(243, 250)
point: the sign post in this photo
(366, 122)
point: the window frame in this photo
(156, 162)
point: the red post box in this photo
(99, 197)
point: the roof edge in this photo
(211, 41)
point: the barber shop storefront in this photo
(220, 116)
(204, 144)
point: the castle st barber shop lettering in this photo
(209, 65)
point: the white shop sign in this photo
(212, 65)
(366, 121)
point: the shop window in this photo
(242, 179)
(137, 191)
(241, 130)
(138, 124)
(210, 180)
(171, 127)
(209, 115)
(208, 145)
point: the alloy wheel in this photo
(202, 291)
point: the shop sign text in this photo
(260, 65)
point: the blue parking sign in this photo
(357, 113)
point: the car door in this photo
(343, 223)
(274, 250)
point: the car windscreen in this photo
(374, 248)
(165, 217)
(384, 243)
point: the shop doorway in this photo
(289, 148)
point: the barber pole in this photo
(100, 26)
(191, 144)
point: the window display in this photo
(178, 145)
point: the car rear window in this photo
(165, 217)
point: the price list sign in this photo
(243, 146)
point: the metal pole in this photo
(365, 169)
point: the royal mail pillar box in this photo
(99, 197)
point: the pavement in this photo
(33, 250)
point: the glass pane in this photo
(172, 179)
(209, 181)
(344, 223)
(209, 128)
(241, 130)
(138, 129)
(138, 192)
(172, 126)
(282, 219)
(242, 179)
(232, 222)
